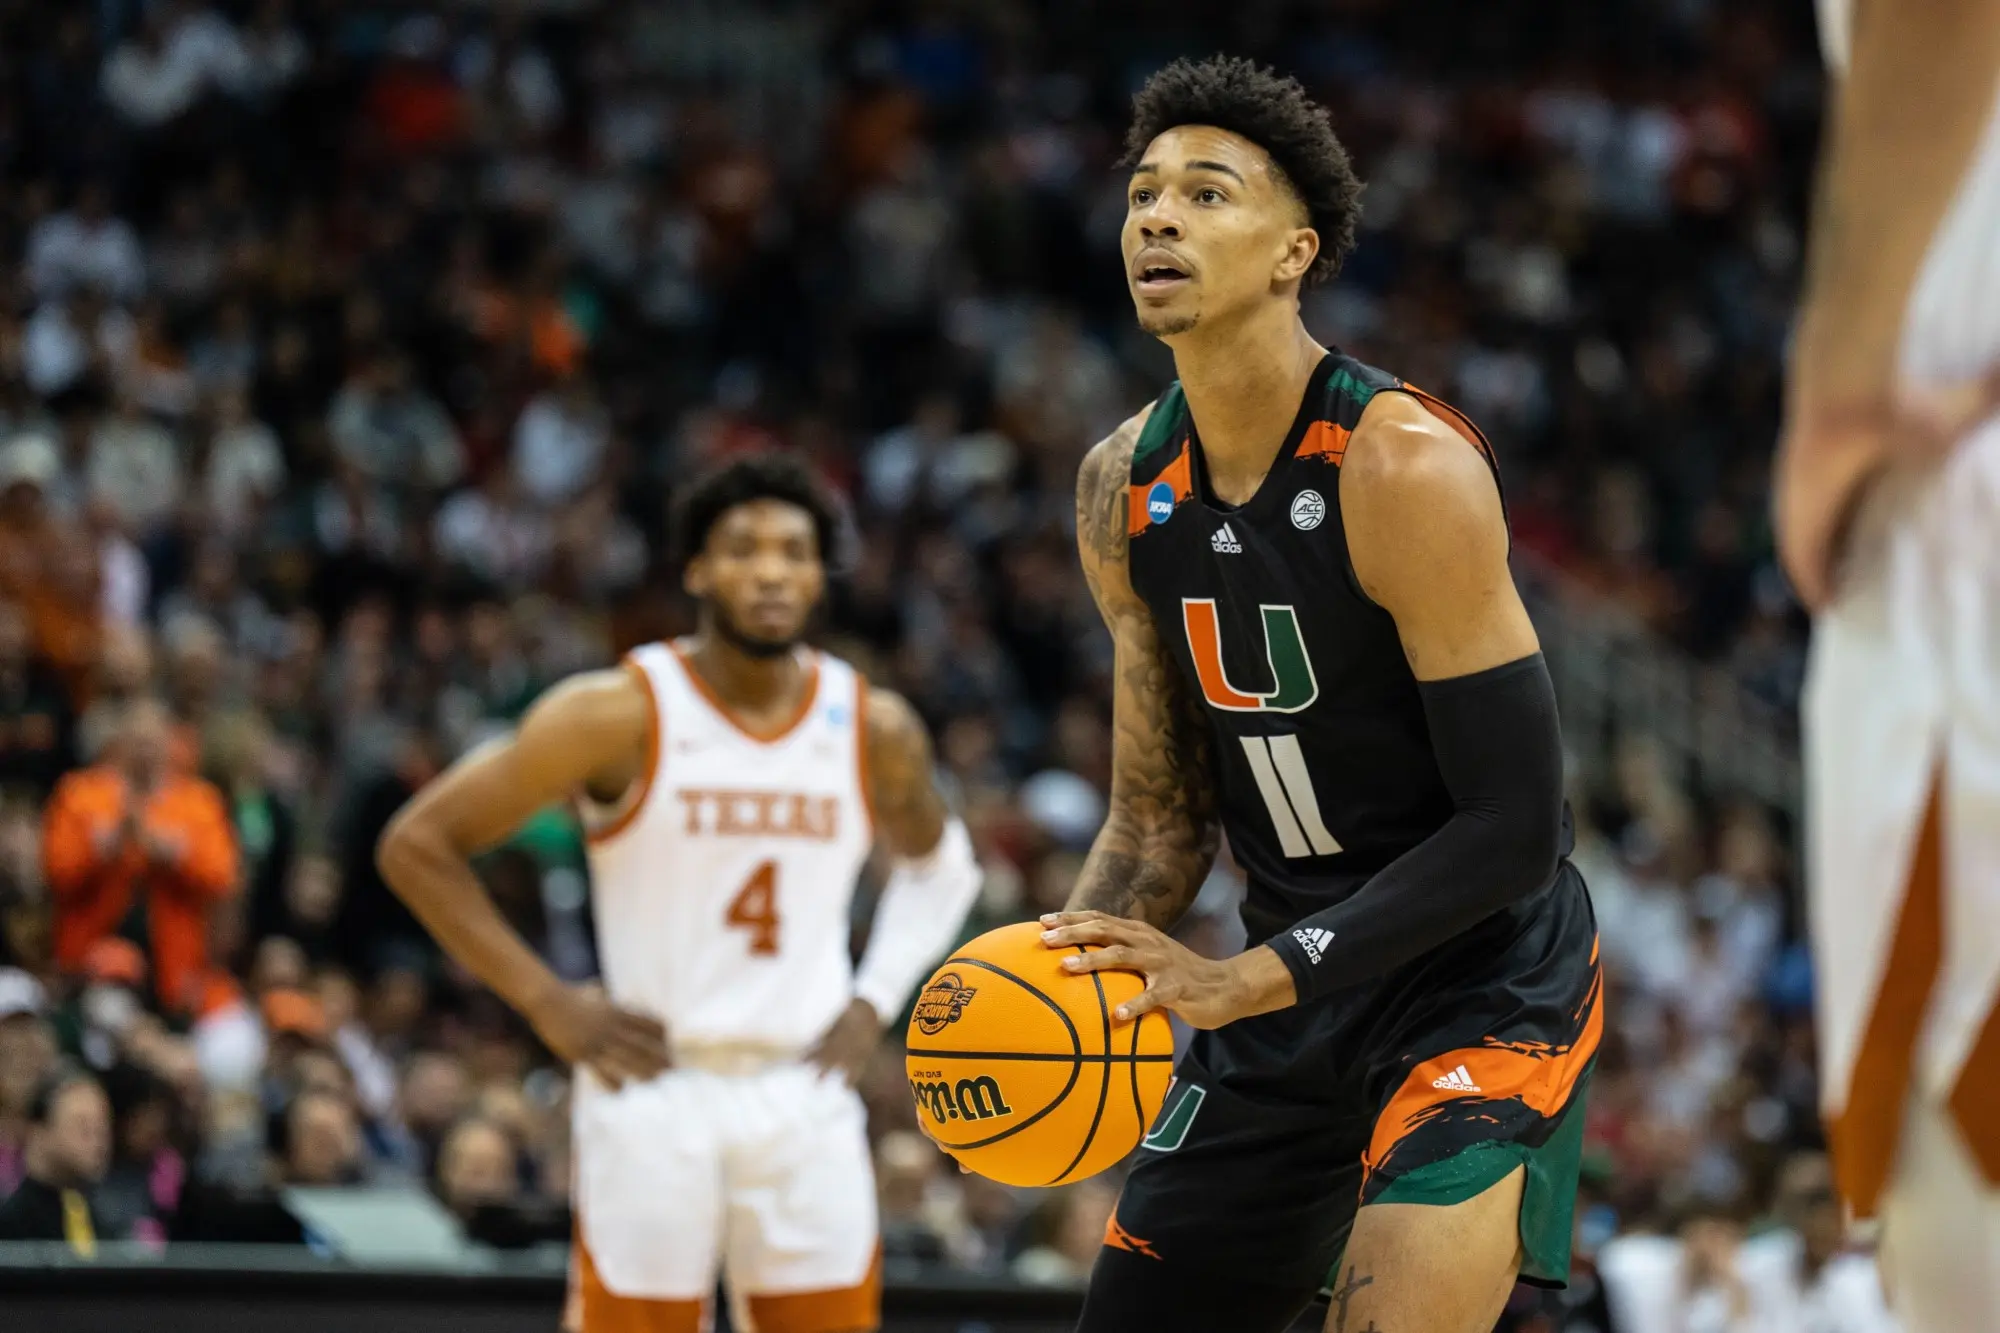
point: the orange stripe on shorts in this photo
(855, 1309)
(605, 1311)
(1538, 1074)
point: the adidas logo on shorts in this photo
(1457, 1081)
(1313, 941)
(1225, 541)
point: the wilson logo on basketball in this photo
(968, 1099)
(941, 1003)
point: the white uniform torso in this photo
(722, 900)
(722, 887)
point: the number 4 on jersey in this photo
(755, 909)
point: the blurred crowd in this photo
(350, 353)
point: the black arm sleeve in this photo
(1499, 750)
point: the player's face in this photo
(760, 574)
(1210, 230)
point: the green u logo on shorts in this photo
(1172, 1130)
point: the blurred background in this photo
(351, 352)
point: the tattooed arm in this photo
(1159, 838)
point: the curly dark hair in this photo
(1272, 111)
(771, 475)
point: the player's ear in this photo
(1301, 249)
(694, 578)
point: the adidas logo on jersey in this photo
(1314, 941)
(1225, 541)
(1457, 1081)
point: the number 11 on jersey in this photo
(1280, 769)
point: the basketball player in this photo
(1303, 564)
(1888, 506)
(731, 785)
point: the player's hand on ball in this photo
(850, 1042)
(582, 1026)
(1205, 992)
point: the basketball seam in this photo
(1075, 1066)
(1104, 1085)
(1138, 1104)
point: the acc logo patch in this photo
(941, 1003)
(1308, 510)
(1160, 502)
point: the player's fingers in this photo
(1145, 1002)
(1101, 930)
(1112, 958)
(642, 1025)
(1072, 918)
(640, 1053)
(607, 1071)
(640, 1033)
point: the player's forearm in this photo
(436, 881)
(1904, 123)
(1499, 749)
(1148, 875)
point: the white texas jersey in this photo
(722, 882)
(1951, 331)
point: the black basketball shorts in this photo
(1428, 1085)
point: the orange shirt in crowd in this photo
(95, 893)
(51, 571)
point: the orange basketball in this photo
(1019, 1069)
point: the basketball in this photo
(1020, 1070)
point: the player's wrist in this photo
(541, 995)
(1264, 979)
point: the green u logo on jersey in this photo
(1284, 649)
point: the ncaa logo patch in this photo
(941, 1003)
(1308, 510)
(1160, 502)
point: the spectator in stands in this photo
(76, 345)
(436, 1093)
(907, 1184)
(39, 567)
(68, 1152)
(560, 442)
(110, 1000)
(388, 428)
(476, 1168)
(180, 53)
(135, 469)
(37, 725)
(85, 245)
(1067, 1230)
(141, 1193)
(1837, 1288)
(135, 848)
(27, 1056)
(319, 1142)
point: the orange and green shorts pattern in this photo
(1425, 1086)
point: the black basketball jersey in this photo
(1323, 756)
